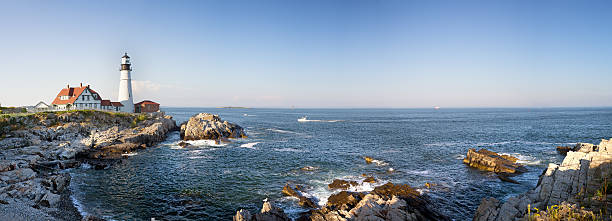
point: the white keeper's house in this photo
(83, 97)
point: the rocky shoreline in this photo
(37, 148)
(577, 189)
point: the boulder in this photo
(344, 200)
(184, 144)
(242, 215)
(564, 149)
(369, 179)
(295, 192)
(342, 184)
(484, 159)
(50, 200)
(270, 212)
(206, 126)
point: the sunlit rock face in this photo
(205, 126)
(580, 181)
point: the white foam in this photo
(206, 143)
(527, 160)
(459, 157)
(129, 154)
(322, 192)
(85, 166)
(418, 172)
(380, 162)
(78, 206)
(249, 145)
(281, 131)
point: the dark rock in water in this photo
(564, 149)
(294, 192)
(430, 185)
(184, 144)
(401, 190)
(369, 179)
(368, 160)
(308, 168)
(490, 161)
(342, 184)
(206, 126)
(505, 178)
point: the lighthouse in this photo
(125, 85)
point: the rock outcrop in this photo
(484, 159)
(35, 147)
(268, 212)
(386, 202)
(342, 184)
(581, 181)
(204, 126)
(295, 192)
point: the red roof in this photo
(105, 103)
(73, 93)
(146, 102)
(116, 104)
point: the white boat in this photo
(303, 119)
(436, 108)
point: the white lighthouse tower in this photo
(125, 85)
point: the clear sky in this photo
(266, 53)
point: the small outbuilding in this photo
(146, 106)
(42, 106)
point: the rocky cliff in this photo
(580, 185)
(34, 148)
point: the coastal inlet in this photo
(212, 180)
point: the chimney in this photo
(81, 84)
(68, 86)
(88, 86)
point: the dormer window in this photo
(64, 97)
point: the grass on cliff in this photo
(562, 212)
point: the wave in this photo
(418, 172)
(206, 143)
(287, 149)
(85, 166)
(129, 154)
(522, 159)
(199, 157)
(459, 156)
(379, 162)
(281, 131)
(328, 121)
(321, 191)
(249, 145)
(78, 205)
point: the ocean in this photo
(211, 181)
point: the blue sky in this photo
(313, 53)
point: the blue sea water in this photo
(211, 182)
